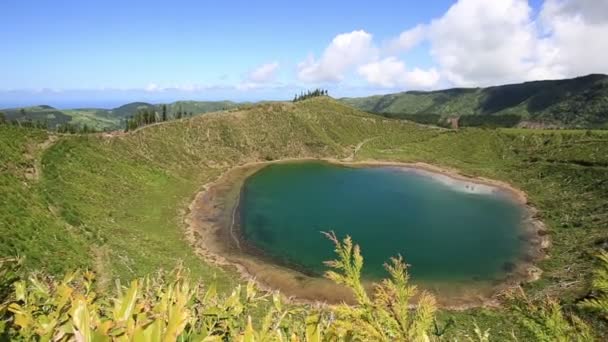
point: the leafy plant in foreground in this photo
(170, 307)
(546, 321)
(599, 300)
(387, 315)
(167, 307)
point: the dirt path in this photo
(33, 173)
(357, 148)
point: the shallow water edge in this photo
(213, 230)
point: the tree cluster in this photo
(75, 129)
(23, 122)
(150, 116)
(309, 94)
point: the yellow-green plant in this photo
(546, 321)
(387, 315)
(167, 307)
(599, 287)
(170, 307)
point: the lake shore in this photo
(213, 230)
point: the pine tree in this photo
(164, 118)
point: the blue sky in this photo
(80, 52)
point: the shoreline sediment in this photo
(212, 230)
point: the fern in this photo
(599, 286)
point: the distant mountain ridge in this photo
(109, 119)
(576, 102)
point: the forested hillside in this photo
(578, 102)
(99, 119)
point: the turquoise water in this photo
(442, 232)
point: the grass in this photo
(116, 205)
(27, 225)
(93, 118)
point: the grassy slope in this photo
(128, 193)
(581, 101)
(28, 226)
(119, 201)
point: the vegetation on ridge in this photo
(98, 119)
(116, 204)
(310, 94)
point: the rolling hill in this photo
(579, 102)
(107, 119)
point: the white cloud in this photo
(156, 88)
(479, 42)
(264, 73)
(408, 39)
(577, 33)
(153, 87)
(345, 52)
(392, 73)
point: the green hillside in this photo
(578, 102)
(107, 119)
(116, 204)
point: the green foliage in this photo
(310, 94)
(546, 321)
(170, 307)
(10, 272)
(489, 121)
(75, 129)
(143, 117)
(599, 286)
(165, 307)
(386, 316)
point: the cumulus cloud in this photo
(391, 73)
(264, 73)
(576, 33)
(345, 52)
(479, 42)
(408, 39)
